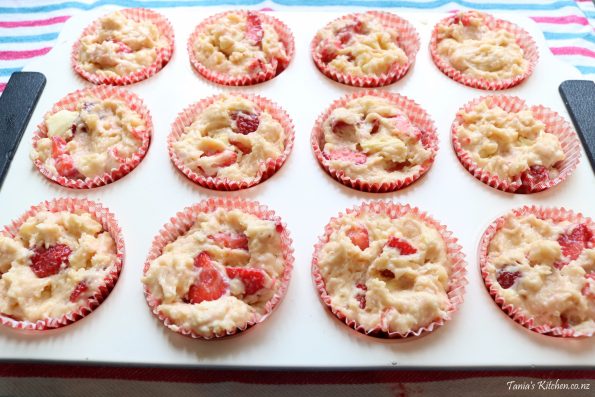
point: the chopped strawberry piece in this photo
(58, 146)
(387, 273)
(65, 166)
(462, 19)
(225, 158)
(361, 297)
(344, 35)
(80, 289)
(210, 284)
(328, 53)
(340, 127)
(533, 177)
(210, 152)
(46, 262)
(245, 122)
(254, 30)
(229, 240)
(403, 246)
(402, 123)
(506, 278)
(347, 155)
(375, 127)
(564, 321)
(359, 237)
(279, 227)
(253, 279)
(574, 242)
(242, 147)
(138, 134)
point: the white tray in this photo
(300, 333)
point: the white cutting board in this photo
(300, 333)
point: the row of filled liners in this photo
(222, 266)
(374, 141)
(369, 49)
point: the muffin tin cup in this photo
(163, 54)
(523, 39)
(109, 223)
(408, 41)
(556, 214)
(183, 221)
(70, 103)
(554, 123)
(457, 279)
(416, 114)
(285, 36)
(267, 168)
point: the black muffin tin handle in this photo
(17, 104)
(579, 98)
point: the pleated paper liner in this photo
(183, 221)
(109, 223)
(273, 69)
(517, 314)
(267, 168)
(70, 103)
(523, 39)
(457, 279)
(554, 124)
(163, 54)
(417, 116)
(408, 41)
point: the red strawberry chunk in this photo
(506, 278)
(210, 152)
(340, 127)
(229, 240)
(242, 147)
(58, 146)
(210, 284)
(253, 279)
(359, 237)
(347, 155)
(361, 297)
(531, 178)
(257, 66)
(65, 166)
(245, 122)
(403, 246)
(80, 289)
(375, 127)
(46, 262)
(462, 19)
(254, 30)
(393, 167)
(328, 53)
(123, 47)
(387, 273)
(573, 243)
(402, 123)
(226, 158)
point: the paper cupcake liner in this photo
(109, 223)
(267, 168)
(523, 39)
(285, 36)
(554, 123)
(69, 103)
(457, 279)
(525, 319)
(163, 54)
(416, 114)
(408, 40)
(183, 221)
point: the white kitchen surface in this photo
(300, 333)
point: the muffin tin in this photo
(301, 333)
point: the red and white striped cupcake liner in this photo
(523, 39)
(267, 168)
(183, 221)
(408, 41)
(416, 114)
(517, 314)
(554, 124)
(109, 224)
(164, 54)
(70, 102)
(285, 36)
(457, 278)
